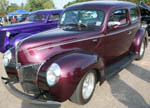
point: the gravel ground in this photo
(128, 89)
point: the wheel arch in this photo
(74, 65)
(140, 35)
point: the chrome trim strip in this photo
(94, 37)
(59, 44)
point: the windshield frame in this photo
(37, 20)
(95, 28)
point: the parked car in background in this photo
(21, 18)
(145, 10)
(1, 22)
(36, 22)
(95, 40)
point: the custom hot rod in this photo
(94, 41)
(36, 22)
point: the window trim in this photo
(49, 18)
(138, 15)
(87, 9)
(127, 12)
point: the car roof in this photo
(101, 5)
(47, 11)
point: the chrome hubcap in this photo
(142, 49)
(88, 85)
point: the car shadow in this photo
(139, 72)
(126, 94)
(28, 105)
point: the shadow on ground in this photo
(139, 72)
(126, 94)
(28, 105)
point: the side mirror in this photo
(113, 24)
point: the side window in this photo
(134, 14)
(118, 17)
(54, 17)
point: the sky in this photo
(58, 3)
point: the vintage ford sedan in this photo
(94, 41)
(36, 22)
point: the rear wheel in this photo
(85, 89)
(142, 51)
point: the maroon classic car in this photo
(94, 41)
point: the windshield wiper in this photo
(70, 24)
(78, 25)
(75, 24)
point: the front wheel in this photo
(142, 51)
(85, 89)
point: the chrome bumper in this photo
(30, 99)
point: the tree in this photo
(147, 2)
(33, 5)
(3, 7)
(22, 6)
(76, 1)
(137, 1)
(12, 7)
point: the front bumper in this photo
(9, 84)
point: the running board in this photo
(117, 67)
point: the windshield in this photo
(82, 19)
(36, 17)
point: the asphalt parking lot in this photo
(128, 89)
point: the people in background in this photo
(14, 20)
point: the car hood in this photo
(53, 38)
(21, 25)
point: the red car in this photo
(94, 41)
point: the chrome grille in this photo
(27, 76)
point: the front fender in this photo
(14, 41)
(140, 35)
(73, 67)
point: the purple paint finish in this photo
(25, 29)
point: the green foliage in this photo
(12, 7)
(137, 1)
(134, 1)
(33, 5)
(3, 7)
(76, 1)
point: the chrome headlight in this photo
(7, 57)
(53, 74)
(8, 34)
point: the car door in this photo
(135, 21)
(117, 37)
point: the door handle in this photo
(94, 40)
(130, 32)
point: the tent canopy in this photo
(19, 12)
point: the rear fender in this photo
(140, 35)
(74, 66)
